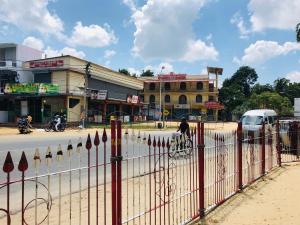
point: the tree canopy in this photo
(124, 71)
(147, 73)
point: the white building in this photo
(297, 107)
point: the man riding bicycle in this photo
(184, 127)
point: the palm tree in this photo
(298, 32)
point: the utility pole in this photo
(87, 75)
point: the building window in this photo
(167, 86)
(199, 86)
(182, 99)
(211, 98)
(167, 98)
(199, 98)
(152, 99)
(152, 86)
(211, 87)
(183, 86)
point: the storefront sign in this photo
(134, 99)
(182, 106)
(213, 105)
(99, 94)
(31, 88)
(172, 76)
(48, 63)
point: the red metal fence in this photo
(133, 178)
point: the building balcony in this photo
(10, 64)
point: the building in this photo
(12, 57)
(182, 95)
(297, 107)
(58, 86)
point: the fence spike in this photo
(149, 140)
(23, 163)
(133, 135)
(88, 144)
(59, 153)
(37, 158)
(154, 142)
(96, 139)
(158, 142)
(79, 145)
(168, 143)
(126, 135)
(139, 137)
(48, 156)
(145, 138)
(69, 148)
(8, 164)
(163, 144)
(104, 136)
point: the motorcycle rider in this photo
(58, 121)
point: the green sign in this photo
(31, 88)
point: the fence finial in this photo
(104, 136)
(149, 140)
(145, 138)
(23, 164)
(48, 156)
(154, 142)
(96, 139)
(8, 164)
(163, 144)
(37, 158)
(158, 142)
(168, 143)
(126, 135)
(79, 145)
(88, 143)
(69, 148)
(133, 135)
(59, 153)
(139, 137)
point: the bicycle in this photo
(181, 145)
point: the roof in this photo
(260, 112)
(7, 45)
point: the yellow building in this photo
(181, 95)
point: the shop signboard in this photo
(213, 105)
(31, 88)
(182, 106)
(134, 99)
(47, 63)
(98, 94)
(172, 76)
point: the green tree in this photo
(124, 71)
(147, 73)
(281, 85)
(236, 89)
(260, 88)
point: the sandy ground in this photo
(273, 200)
(228, 126)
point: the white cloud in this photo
(131, 4)
(65, 51)
(294, 76)
(164, 31)
(198, 50)
(163, 67)
(275, 14)
(262, 50)
(238, 20)
(92, 35)
(31, 15)
(132, 70)
(109, 53)
(33, 42)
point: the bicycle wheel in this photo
(189, 147)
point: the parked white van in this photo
(253, 119)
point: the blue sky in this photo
(184, 36)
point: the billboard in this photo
(98, 94)
(31, 88)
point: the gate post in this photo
(200, 137)
(263, 149)
(113, 173)
(240, 155)
(119, 173)
(278, 145)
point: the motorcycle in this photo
(23, 125)
(61, 119)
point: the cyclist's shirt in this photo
(184, 128)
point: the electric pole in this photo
(87, 75)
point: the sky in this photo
(181, 36)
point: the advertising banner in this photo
(31, 88)
(99, 94)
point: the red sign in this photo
(48, 63)
(214, 105)
(172, 76)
